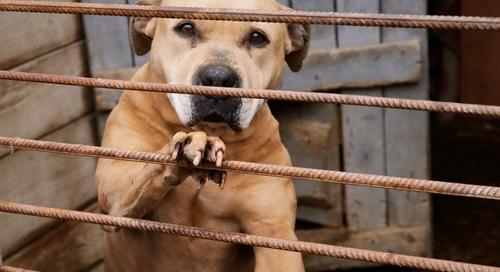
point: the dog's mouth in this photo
(214, 118)
(229, 118)
(216, 110)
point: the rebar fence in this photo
(288, 16)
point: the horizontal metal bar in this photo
(282, 16)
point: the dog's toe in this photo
(196, 147)
(216, 151)
(177, 143)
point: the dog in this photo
(200, 129)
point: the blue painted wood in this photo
(407, 132)
(363, 132)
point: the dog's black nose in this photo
(217, 75)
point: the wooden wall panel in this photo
(323, 35)
(31, 110)
(358, 67)
(363, 131)
(48, 180)
(71, 247)
(407, 132)
(27, 35)
(109, 48)
(411, 241)
(107, 40)
(312, 134)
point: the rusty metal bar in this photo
(284, 16)
(397, 103)
(247, 239)
(328, 176)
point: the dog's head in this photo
(219, 53)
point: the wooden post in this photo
(407, 132)
(318, 203)
(363, 132)
(107, 40)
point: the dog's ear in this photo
(142, 29)
(299, 45)
(299, 38)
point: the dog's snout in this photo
(217, 75)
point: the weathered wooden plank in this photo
(323, 36)
(358, 67)
(48, 180)
(318, 203)
(407, 132)
(31, 110)
(107, 40)
(411, 241)
(285, 2)
(108, 46)
(363, 132)
(71, 246)
(25, 36)
(311, 135)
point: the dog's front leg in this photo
(269, 210)
(276, 260)
(134, 189)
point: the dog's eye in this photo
(186, 29)
(258, 39)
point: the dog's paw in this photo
(196, 147)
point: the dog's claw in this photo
(220, 157)
(177, 148)
(222, 180)
(195, 147)
(197, 158)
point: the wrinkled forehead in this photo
(236, 4)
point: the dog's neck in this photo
(262, 131)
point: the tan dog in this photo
(197, 128)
